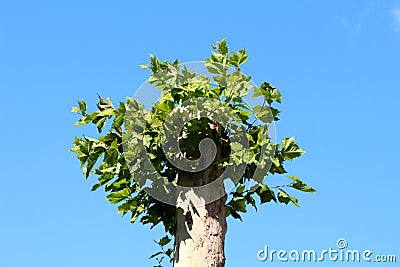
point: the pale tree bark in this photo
(200, 230)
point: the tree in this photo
(199, 155)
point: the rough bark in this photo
(200, 230)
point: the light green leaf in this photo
(106, 112)
(237, 59)
(269, 92)
(86, 119)
(263, 113)
(222, 47)
(147, 140)
(290, 149)
(100, 124)
(257, 92)
(215, 57)
(116, 197)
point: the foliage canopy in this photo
(103, 155)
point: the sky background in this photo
(336, 63)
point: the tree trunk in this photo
(200, 230)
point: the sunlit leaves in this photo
(156, 65)
(299, 185)
(88, 152)
(105, 111)
(269, 93)
(105, 104)
(290, 149)
(119, 117)
(285, 198)
(104, 157)
(237, 59)
(263, 113)
(86, 119)
(117, 197)
(222, 47)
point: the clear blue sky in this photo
(337, 64)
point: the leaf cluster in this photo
(103, 156)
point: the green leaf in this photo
(95, 187)
(169, 252)
(236, 146)
(106, 112)
(222, 47)
(127, 206)
(215, 57)
(250, 200)
(283, 197)
(163, 241)
(147, 140)
(258, 92)
(100, 124)
(114, 173)
(82, 107)
(263, 113)
(156, 254)
(86, 119)
(265, 194)
(104, 104)
(294, 178)
(290, 149)
(238, 204)
(91, 161)
(237, 59)
(240, 189)
(116, 197)
(299, 185)
(135, 215)
(74, 110)
(232, 212)
(243, 114)
(269, 92)
(276, 95)
(119, 117)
